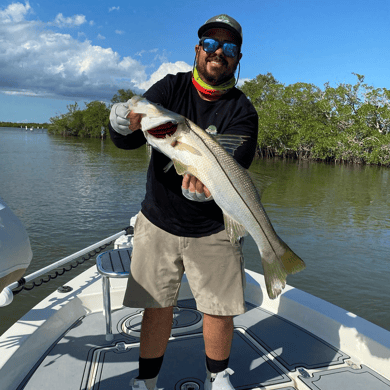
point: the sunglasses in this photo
(210, 45)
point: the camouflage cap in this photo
(222, 21)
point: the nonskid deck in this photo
(267, 352)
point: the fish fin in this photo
(275, 278)
(230, 142)
(292, 263)
(275, 272)
(168, 166)
(233, 229)
(181, 168)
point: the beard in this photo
(216, 76)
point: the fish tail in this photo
(275, 272)
(275, 278)
(292, 263)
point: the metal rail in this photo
(6, 295)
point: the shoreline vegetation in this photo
(88, 122)
(23, 125)
(342, 124)
(347, 123)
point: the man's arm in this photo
(130, 141)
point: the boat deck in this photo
(267, 352)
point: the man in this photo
(180, 227)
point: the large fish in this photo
(194, 151)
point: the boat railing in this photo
(6, 296)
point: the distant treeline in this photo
(29, 125)
(347, 123)
(88, 122)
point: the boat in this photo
(15, 249)
(82, 337)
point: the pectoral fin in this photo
(233, 229)
(182, 169)
(168, 166)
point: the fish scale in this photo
(194, 151)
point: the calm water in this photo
(70, 193)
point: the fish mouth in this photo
(164, 130)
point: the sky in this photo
(53, 54)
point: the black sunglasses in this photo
(210, 45)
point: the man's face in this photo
(216, 68)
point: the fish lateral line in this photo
(231, 182)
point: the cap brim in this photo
(224, 26)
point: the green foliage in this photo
(122, 96)
(82, 123)
(23, 125)
(347, 123)
(88, 122)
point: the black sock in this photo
(216, 366)
(149, 368)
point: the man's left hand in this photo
(194, 189)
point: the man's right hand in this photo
(193, 189)
(124, 121)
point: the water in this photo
(70, 193)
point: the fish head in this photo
(154, 116)
(160, 126)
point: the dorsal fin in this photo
(230, 142)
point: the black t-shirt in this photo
(164, 204)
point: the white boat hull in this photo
(363, 345)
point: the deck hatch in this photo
(292, 345)
(347, 378)
(184, 320)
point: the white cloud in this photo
(14, 13)
(120, 32)
(142, 52)
(242, 81)
(163, 70)
(160, 57)
(23, 93)
(36, 61)
(76, 20)
(113, 9)
(101, 36)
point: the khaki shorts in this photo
(213, 266)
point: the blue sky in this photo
(55, 53)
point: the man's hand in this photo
(194, 189)
(124, 121)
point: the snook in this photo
(194, 151)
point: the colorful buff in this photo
(211, 92)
